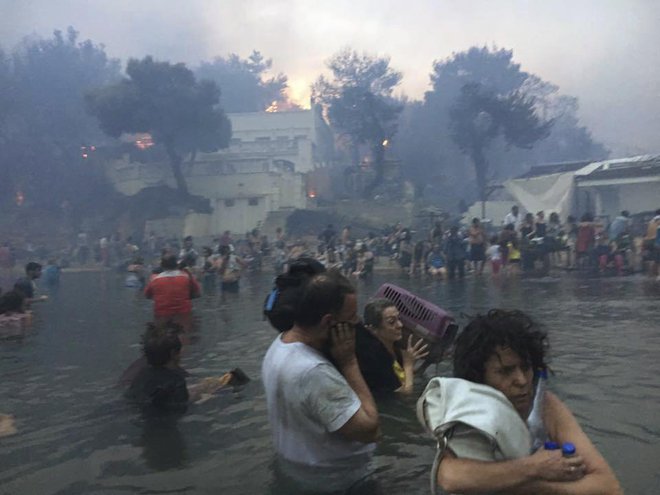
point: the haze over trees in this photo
(359, 104)
(245, 84)
(480, 109)
(431, 157)
(43, 123)
(166, 101)
(479, 116)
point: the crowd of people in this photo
(521, 244)
(327, 367)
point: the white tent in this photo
(550, 192)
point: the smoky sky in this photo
(605, 52)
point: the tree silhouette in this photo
(359, 104)
(479, 116)
(245, 85)
(166, 101)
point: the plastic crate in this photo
(423, 318)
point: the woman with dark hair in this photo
(503, 350)
(162, 382)
(385, 365)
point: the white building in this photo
(602, 188)
(263, 170)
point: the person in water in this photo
(503, 349)
(27, 284)
(323, 418)
(172, 290)
(162, 383)
(385, 365)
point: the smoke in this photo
(602, 51)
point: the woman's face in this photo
(390, 327)
(508, 373)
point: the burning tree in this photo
(359, 104)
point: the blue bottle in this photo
(551, 446)
(568, 449)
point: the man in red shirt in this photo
(172, 291)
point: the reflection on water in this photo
(76, 435)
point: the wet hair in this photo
(554, 217)
(160, 341)
(373, 311)
(224, 250)
(587, 217)
(475, 221)
(323, 294)
(494, 239)
(32, 266)
(168, 262)
(11, 302)
(498, 328)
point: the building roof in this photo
(553, 168)
(636, 167)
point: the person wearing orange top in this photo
(172, 291)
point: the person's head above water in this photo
(502, 349)
(33, 269)
(324, 300)
(161, 343)
(382, 317)
(169, 262)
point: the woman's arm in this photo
(467, 476)
(561, 425)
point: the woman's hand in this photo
(550, 465)
(413, 352)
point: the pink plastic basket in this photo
(423, 318)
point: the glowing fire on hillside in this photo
(143, 141)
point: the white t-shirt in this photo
(308, 401)
(493, 253)
(511, 218)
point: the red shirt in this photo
(171, 291)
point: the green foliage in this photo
(245, 84)
(359, 104)
(166, 101)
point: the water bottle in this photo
(535, 418)
(568, 449)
